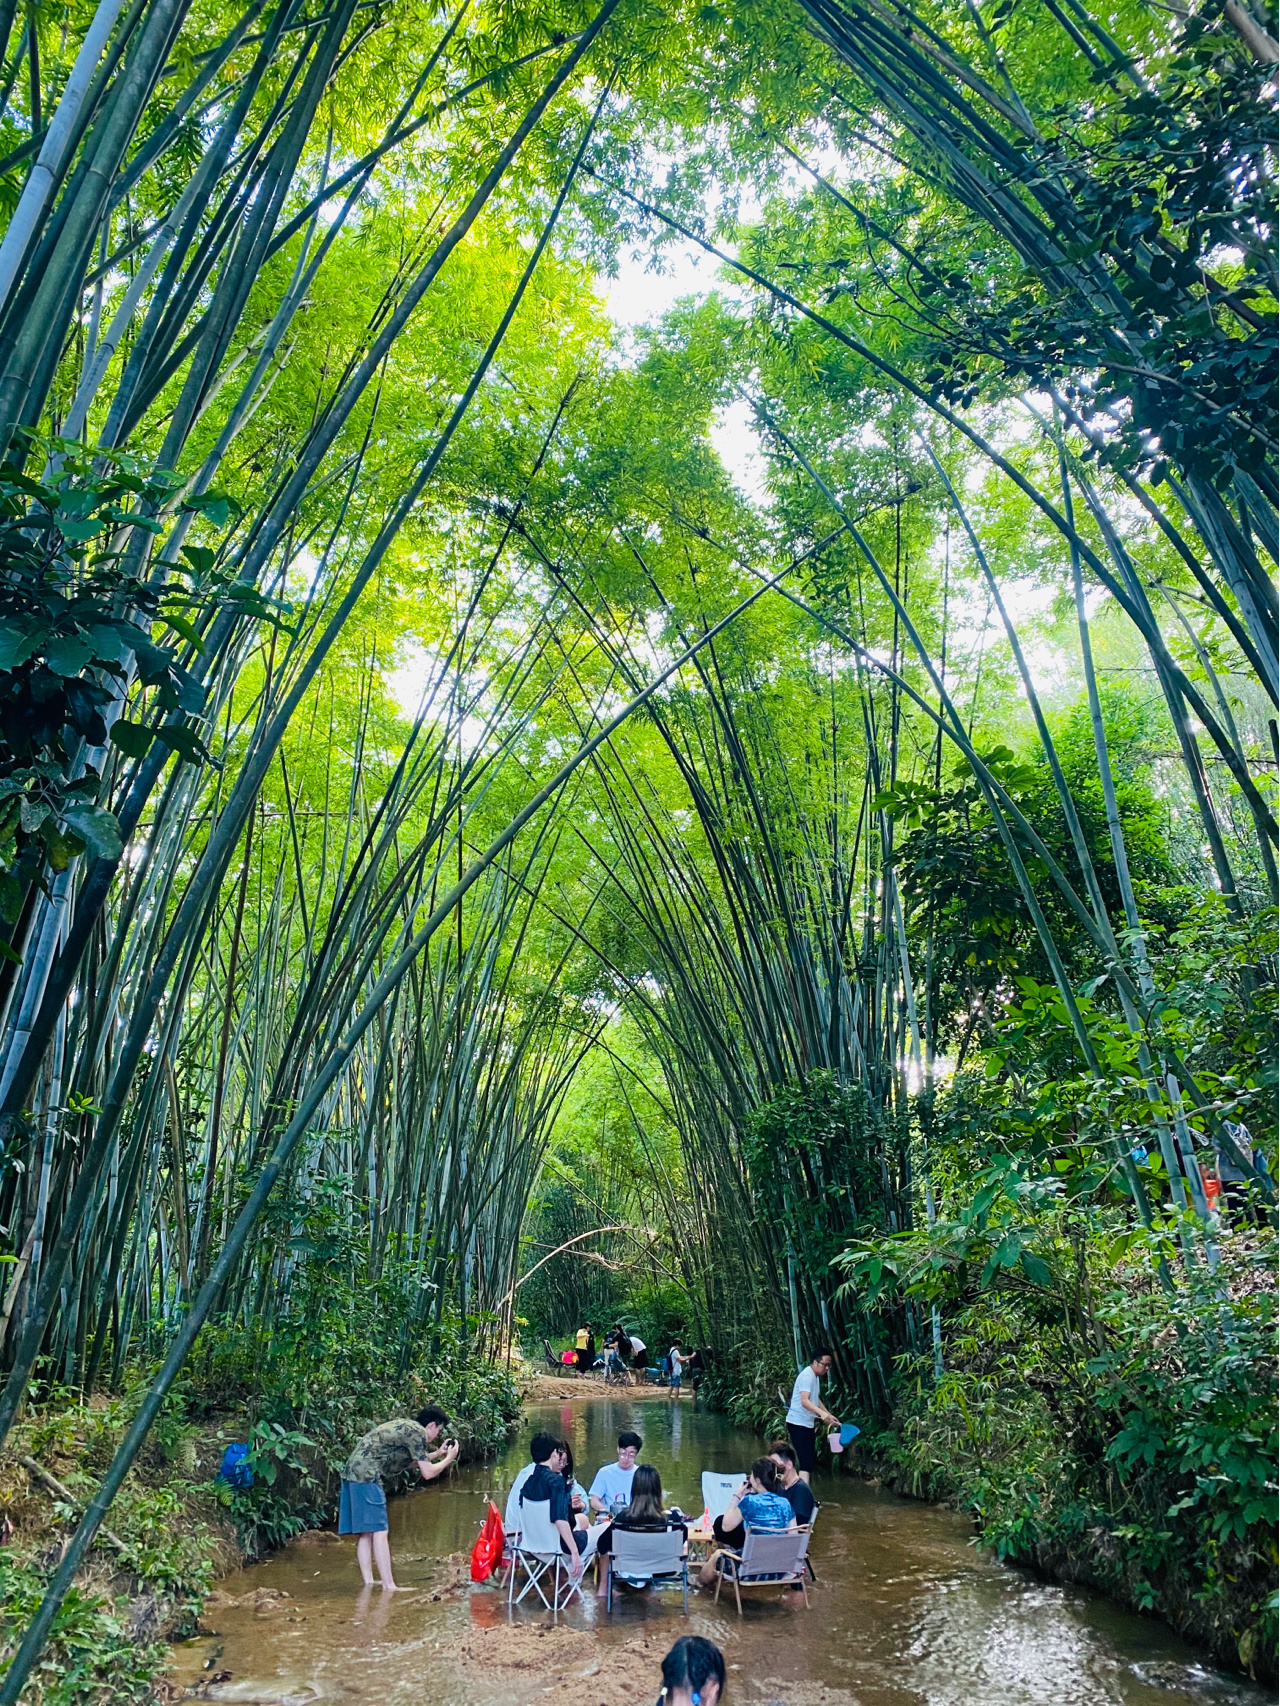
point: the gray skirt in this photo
(363, 1508)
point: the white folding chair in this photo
(538, 1551)
(718, 1491)
(641, 1557)
(767, 1559)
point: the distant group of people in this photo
(625, 1353)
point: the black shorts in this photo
(805, 1442)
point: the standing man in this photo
(806, 1408)
(388, 1450)
(610, 1492)
(677, 1362)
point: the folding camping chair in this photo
(537, 1550)
(642, 1557)
(718, 1491)
(767, 1559)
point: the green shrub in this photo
(91, 1656)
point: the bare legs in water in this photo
(375, 1549)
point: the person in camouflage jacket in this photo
(388, 1451)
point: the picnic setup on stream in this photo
(630, 1543)
(753, 1528)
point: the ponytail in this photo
(692, 1663)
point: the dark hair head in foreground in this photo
(694, 1668)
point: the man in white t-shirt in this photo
(805, 1409)
(610, 1492)
(677, 1360)
(639, 1359)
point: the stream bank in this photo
(906, 1611)
(175, 1529)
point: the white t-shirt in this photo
(677, 1361)
(636, 1344)
(613, 1485)
(806, 1381)
(511, 1522)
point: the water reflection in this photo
(906, 1612)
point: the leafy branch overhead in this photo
(76, 648)
(542, 782)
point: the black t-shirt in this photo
(801, 1501)
(544, 1486)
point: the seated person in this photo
(511, 1520)
(547, 1485)
(577, 1492)
(759, 1503)
(792, 1488)
(645, 1513)
(611, 1489)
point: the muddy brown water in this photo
(906, 1611)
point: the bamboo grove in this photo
(415, 742)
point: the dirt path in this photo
(555, 1389)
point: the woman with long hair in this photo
(645, 1514)
(760, 1502)
(577, 1492)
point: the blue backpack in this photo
(234, 1470)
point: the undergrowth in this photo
(300, 1391)
(1142, 1462)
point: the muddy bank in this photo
(174, 1529)
(576, 1388)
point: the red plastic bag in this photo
(486, 1554)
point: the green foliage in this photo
(61, 643)
(704, 1006)
(333, 1365)
(820, 1155)
(91, 1656)
(1107, 1402)
(1177, 175)
(959, 888)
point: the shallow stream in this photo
(905, 1612)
